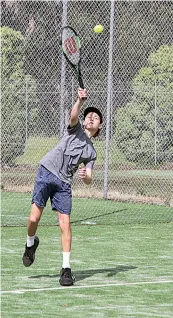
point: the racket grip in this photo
(80, 81)
(81, 85)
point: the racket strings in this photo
(71, 46)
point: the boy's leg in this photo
(66, 233)
(66, 278)
(34, 219)
(32, 240)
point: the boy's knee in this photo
(35, 214)
(34, 218)
(64, 221)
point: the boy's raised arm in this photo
(74, 116)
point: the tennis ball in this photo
(98, 28)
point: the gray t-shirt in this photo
(74, 148)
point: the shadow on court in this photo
(94, 217)
(80, 275)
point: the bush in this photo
(13, 135)
(144, 126)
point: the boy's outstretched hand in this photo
(82, 94)
(74, 117)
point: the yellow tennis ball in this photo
(98, 28)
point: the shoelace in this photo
(28, 252)
(67, 274)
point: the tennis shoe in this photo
(66, 277)
(29, 254)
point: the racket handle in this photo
(81, 85)
(80, 80)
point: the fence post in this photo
(108, 101)
(111, 110)
(72, 89)
(155, 122)
(63, 71)
(26, 112)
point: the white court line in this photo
(22, 291)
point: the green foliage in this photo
(144, 126)
(12, 53)
(13, 96)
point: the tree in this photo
(140, 28)
(144, 126)
(13, 95)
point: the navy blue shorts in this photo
(47, 185)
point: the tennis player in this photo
(54, 177)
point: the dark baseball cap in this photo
(93, 110)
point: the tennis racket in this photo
(71, 48)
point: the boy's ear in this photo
(100, 126)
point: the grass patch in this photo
(104, 260)
(37, 147)
(16, 207)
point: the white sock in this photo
(30, 241)
(66, 260)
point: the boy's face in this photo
(92, 122)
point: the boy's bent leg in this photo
(66, 278)
(34, 219)
(29, 254)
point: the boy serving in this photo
(54, 178)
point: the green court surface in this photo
(123, 270)
(16, 207)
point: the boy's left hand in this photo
(82, 173)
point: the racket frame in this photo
(76, 68)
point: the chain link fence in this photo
(128, 72)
